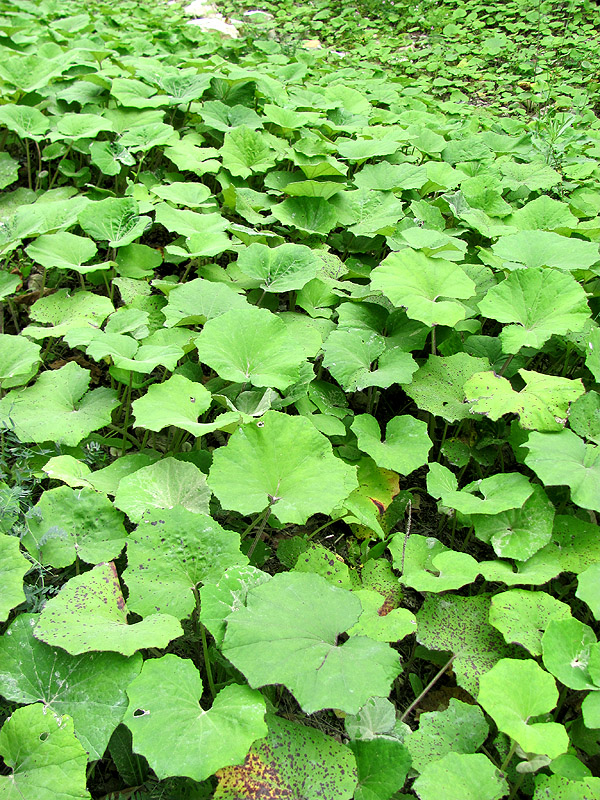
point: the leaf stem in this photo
(201, 633)
(509, 756)
(429, 686)
(127, 411)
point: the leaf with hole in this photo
(164, 701)
(90, 688)
(287, 633)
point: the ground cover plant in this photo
(299, 423)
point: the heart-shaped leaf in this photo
(463, 777)
(253, 345)
(406, 444)
(300, 616)
(279, 269)
(164, 702)
(14, 566)
(522, 616)
(67, 524)
(57, 407)
(538, 303)
(416, 282)
(291, 761)
(46, 760)
(283, 462)
(163, 485)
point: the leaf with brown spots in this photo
(89, 613)
(292, 762)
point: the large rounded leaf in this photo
(523, 616)
(164, 707)
(565, 459)
(89, 613)
(57, 407)
(47, 761)
(170, 553)
(416, 282)
(74, 523)
(279, 269)
(515, 690)
(287, 633)
(459, 776)
(282, 461)
(253, 345)
(164, 484)
(89, 688)
(538, 303)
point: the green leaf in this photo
(196, 301)
(89, 688)
(499, 492)
(366, 212)
(182, 193)
(82, 126)
(543, 404)
(461, 777)
(287, 634)
(282, 461)
(392, 626)
(14, 567)
(254, 345)
(279, 269)
(57, 407)
(565, 459)
(461, 728)
(9, 170)
(114, 219)
(218, 600)
(588, 585)
(189, 223)
(515, 690)
(246, 151)
(584, 416)
(567, 645)
(291, 761)
(538, 248)
(349, 355)
(406, 445)
(383, 765)
(437, 386)
(540, 303)
(19, 360)
(27, 122)
(164, 705)
(64, 311)
(523, 616)
(413, 281)
(64, 250)
(544, 214)
(163, 485)
(307, 214)
(89, 613)
(66, 524)
(429, 566)
(518, 532)
(555, 787)
(376, 718)
(384, 176)
(169, 554)
(177, 401)
(460, 625)
(46, 760)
